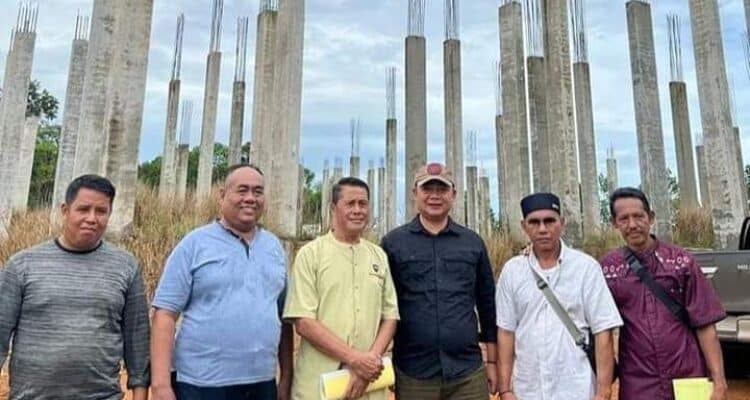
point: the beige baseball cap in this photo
(433, 172)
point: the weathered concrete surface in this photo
(71, 117)
(713, 93)
(372, 184)
(515, 140)
(381, 202)
(93, 136)
(587, 149)
(416, 117)
(237, 123)
(454, 148)
(560, 123)
(13, 122)
(22, 184)
(208, 126)
(504, 205)
(472, 198)
(537, 82)
(263, 91)
(612, 181)
(700, 158)
(181, 170)
(740, 165)
(485, 222)
(653, 165)
(354, 167)
(125, 116)
(683, 146)
(168, 176)
(282, 209)
(325, 198)
(391, 132)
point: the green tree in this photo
(40, 103)
(45, 163)
(604, 200)
(312, 199)
(149, 172)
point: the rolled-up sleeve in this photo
(136, 334)
(486, 298)
(176, 282)
(11, 298)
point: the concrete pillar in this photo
(237, 123)
(740, 165)
(587, 149)
(13, 121)
(181, 171)
(700, 157)
(653, 166)
(504, 206)
(301, 200)
(515, 141)
(93, 137)
(416, 116)
(71, 117)
(485, 218)
(325, 197)
(472, 198)
(282, 214)
(125, 117)
(208, 126)
(390, 168)
(372, 181)
(683, 146)
(22, 184)
(612, 181)
(560, 124)
(537, 82)
(747, 15)
(168, 176)
(381, 201)
(354, 167)
(724, 188)
(263, 90)
(454, 121)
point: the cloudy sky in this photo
(350, 43)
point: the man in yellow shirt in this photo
(342, 300)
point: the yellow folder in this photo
(692, 389)
(333, 384)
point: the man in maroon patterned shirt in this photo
(655, 346)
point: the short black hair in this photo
(348, 181)
(628, 193)
(93, 182)
(235, 167)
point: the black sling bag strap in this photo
(677, 309)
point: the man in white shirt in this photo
(539, 359)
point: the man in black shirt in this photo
(443, 279)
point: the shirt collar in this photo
(415, 226)
(258, 229)
(562, 257)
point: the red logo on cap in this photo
(434, 169)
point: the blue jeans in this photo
(255, 391)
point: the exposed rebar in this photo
(382, 162)
(26, 20)
(578, 25)
(269, 5)
(498, 73)
(186, 122)
(82, 27)
(416, 17)
(338, 163)
(471, 149)
(240, 51)
(610, 152)
(390, 92)
(217, 13)
(452, 20)
(534, 28)
(354, 125)
(675, 47)
(177, 52)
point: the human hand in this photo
(508, 396)
(284, 391)
(492, 378)
(162, 393)
(719, 392)
(367, 365)
(356, 387)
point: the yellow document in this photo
(692, 388)
(333, 384)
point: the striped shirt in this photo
(74, 317)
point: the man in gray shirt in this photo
(75, 308)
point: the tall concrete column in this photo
(12, 123)
(472, 198)
(282, 215)
(325, 197)
(210, 104)
(391, 137)
(126, 108)
(20, 198)
(485, 220)
(653, 166)
(381, 199)
(612, 181)
(724, 187)
(237, 122)
(700, 157)
(93, 137)
(266, 61)
(562, 137)
(536, 70)
(372, 183)
(72, 111)
(515, 142)
(183, 150)
(740, 165)
(503, 203)
(416, 101)
(168, 176)
(453, 104)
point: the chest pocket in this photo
(459, 269)
(414, 272)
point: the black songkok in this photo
(540, 201)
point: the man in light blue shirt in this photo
(227, 281)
